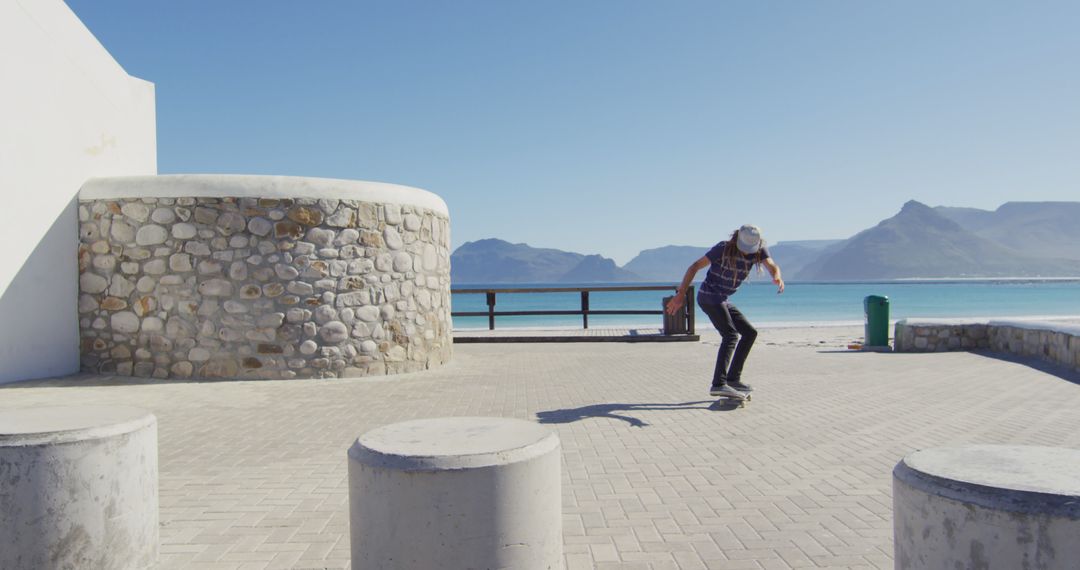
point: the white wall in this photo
(68, 112)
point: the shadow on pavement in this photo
(609, 411)
(1043, 366)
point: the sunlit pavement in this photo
(655, 473)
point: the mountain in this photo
(594, 268)
(667, 264)
(1040, 229)
(921, 242)
(498, 261)
(793, 256)
(1019, 239)
(971, 219)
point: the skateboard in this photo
(746, 396)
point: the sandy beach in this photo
(838, 335)
(820, 336)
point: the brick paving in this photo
(656, 474)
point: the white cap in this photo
(749, 239)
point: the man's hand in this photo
(774, 270)
(676, 303)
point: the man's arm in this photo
(677, 301)
(774, 269)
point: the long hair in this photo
(731, 255)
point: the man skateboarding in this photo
(729, 264)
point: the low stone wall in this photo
(261, 277)
(1053, 342)
(940, 335)
(1059, 344)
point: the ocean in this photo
(801, 304)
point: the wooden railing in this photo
(683, 322)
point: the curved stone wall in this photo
(261, 277)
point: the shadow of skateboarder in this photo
(609, 411)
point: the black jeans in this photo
(737, 338)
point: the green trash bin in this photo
(877, 320)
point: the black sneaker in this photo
(716, 390)
(740, 386)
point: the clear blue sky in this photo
(615, 126)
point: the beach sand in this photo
(817, 335)
(820, 335)
(824, 336)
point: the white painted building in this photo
(68, 112)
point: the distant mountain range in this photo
(1019, 239)
(498, 261)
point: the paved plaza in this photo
(656, 474)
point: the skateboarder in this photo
(729, 264)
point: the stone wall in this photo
(256, 287)
(1053, 342)
(1059, 345)
(940, 336)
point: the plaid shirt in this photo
(722, 280)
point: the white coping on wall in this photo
(64, 424)
(1039, 326)
(257, 186)
(1018, 323)
(933, 322)
(442, 444)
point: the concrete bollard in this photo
(78, 488)
(987, 506)
(456, 493)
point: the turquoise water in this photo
(801, 303)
